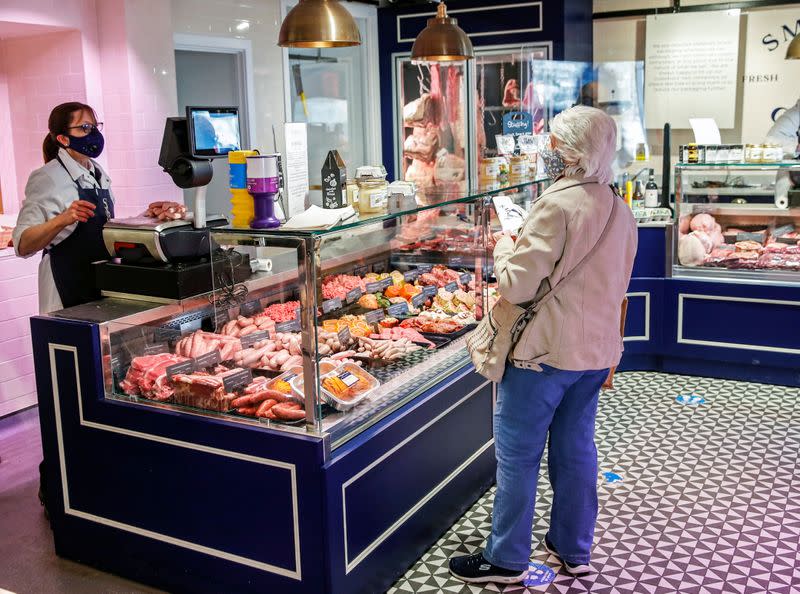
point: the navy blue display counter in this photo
(701, 326)
(193, 503)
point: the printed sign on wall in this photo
(770, 81)
(691, 61)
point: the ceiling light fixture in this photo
(319, 23)
(442, 40)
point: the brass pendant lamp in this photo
(793, 51)
(319, 23)
(442, 40)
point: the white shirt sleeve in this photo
(784, 131)
(42, 203)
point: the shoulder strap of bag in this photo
(535, 307)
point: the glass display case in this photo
(333, 330)
(738, 221)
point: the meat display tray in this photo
(449, 335)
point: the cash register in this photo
(172, 260)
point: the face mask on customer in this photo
(553, 163)
(90, 145)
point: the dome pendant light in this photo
(442, 40)
(319, 23)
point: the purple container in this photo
(263, 185)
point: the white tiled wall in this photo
(20, 301)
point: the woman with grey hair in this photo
(579, 242)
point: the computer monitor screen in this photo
(214, 131)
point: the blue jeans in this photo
(530, 405)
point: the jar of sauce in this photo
(373, 190)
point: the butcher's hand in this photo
(79, 211)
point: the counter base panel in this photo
(189, 503)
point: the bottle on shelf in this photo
(651, 192)
(629, 193)
(638, 195)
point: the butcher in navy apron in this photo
(67, 203)
(71, 259)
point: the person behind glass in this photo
(67, 203)
(549, 393)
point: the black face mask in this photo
(90, 145)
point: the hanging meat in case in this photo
(422, 144)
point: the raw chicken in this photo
(703, 222)
(691, 251)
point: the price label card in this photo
(331, 305)
(465, 278)
(419, 300)
(156, 349)
(410, 276)
(221, 317)
(429, 290)
(250, 308)
(297, 314)
(166, 334)
(386, 283)
(186, 367)
(251, 339)
(451, 287)
(375, 316)
(360, 270)
(354, 295)
(290, 326)
(374, 287)
(378, 268)
(758, 237)
(423, 268)
(344, 336)
(210, 359)
(239, 379)
(397, 309)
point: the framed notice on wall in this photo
(770, 81)
(691, 64)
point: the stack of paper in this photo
(316, 217)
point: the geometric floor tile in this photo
(709, 501)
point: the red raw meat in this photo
(147, 376)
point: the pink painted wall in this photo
(117, 55)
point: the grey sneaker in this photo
(572, 569)
(476, 569)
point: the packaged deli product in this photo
(347, 385)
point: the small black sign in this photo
(374, 316)
(238, 379)
(186, 367)
(156, 349)
(386, 283)
(783, 230)
(429, 290)
(374, 287)
(166, 334)
(290, 326)
(251, 307)
(221, 317)
(379, 268)
(297, 314)
(251, 339)
(360, 270)
(451, 287)
(423, 268)
(344, 336)
(419, 299)
(465, 278)
(397, 309)
(354, 294)
(757, 237)
(410, 276)
(331, 305)
(210, 359)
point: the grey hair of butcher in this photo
(587, 140)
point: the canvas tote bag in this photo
(497, 333)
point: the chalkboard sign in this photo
(419, 300)
(451, 287)
(429, 290)
(237, 380)
(397, 309)
(354, 294)
(251, 307)
(251, 339)
(221, 317)
(331, 305)
(465, 278)
(290, 326)
(344, 336)
(375, 316)
(210, 359)
(185, 367)
(423, 268)
(410, 276)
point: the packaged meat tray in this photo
(347, 386)
(298, 385)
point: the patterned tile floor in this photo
(709, 500)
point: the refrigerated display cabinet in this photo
(312, 428)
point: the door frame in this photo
(243, 50)
(372, 107)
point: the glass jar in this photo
(491, 167)
(712, 155)
(373, 190)
(723, 153)
(757, 153)
(736, 153)
(692, 153)
(352, 192)
(519, 167)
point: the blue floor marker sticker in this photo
(690, 399)
(612, 478)
(538, 575)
